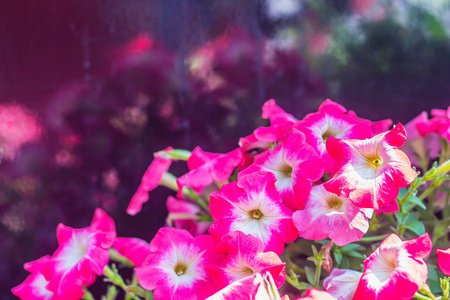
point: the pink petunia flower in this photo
(370, 172)
(332, 120)
(34, 286)
(295, 165)
(244, 256)
(134, 249)
(205, 168)
(342, 283)
(252, 287)
(150, 180)
(444, 260)
(395, 270)
(327, 215)
(253, 205)
(175, 268)
(183, 215)
(82, 254)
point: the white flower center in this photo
(75, 251)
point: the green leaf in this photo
(401, 217)
(433, 280)
(435, 27)
(338, 257)
(303, 286)
(441, 229)
(354, 254)
(417, 201)
(417, 227)
(412, 217)
(310, 274)
(350, 247)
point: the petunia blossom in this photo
(152, 177)
(342, 283)
(327, 215)
(253, 205)
(395, 270)
(244, 255)
(332, 120)
(82, 254)
(175, 268)
(34, 286)
(295, 165)
(370, 172)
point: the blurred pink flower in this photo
(17, 127)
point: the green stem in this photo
(422, 297)
(426, 290)
(403, 200)
(116, 279)
(318, 271)
(427, 192)
(191, 194)
(374, 238)
(116, 256)
(400, 231)
(179, 154)
(87, 295)
(170, 181)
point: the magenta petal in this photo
(444, 260)
(136, 250)
(102, 222)
(141, 196)
(276, 115)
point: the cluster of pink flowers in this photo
(321, 178)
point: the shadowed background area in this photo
(90, 89)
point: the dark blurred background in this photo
(90, 89)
